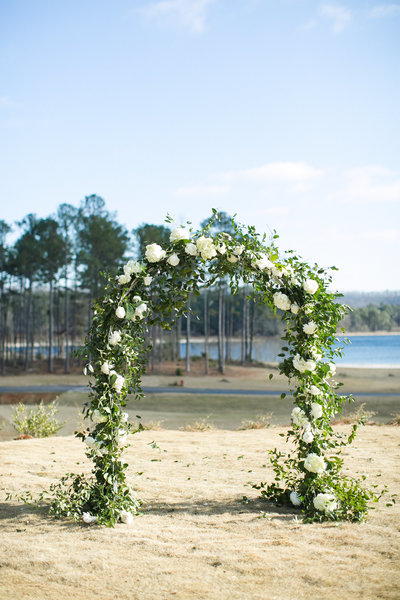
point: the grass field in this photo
(196, 538)
(177, 410)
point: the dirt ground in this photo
(197, 539)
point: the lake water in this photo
(363, 351)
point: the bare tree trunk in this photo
(66, 316)
(28, 325)
(178, 338)
(188, 336)
(51, 326)
(252, 319)
(221, 349)
(243, 332)
(206, 359)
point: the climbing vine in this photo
(155, 291)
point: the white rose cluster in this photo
(147, 280)
(281, 301)
(178, 234)
(94, 444)
(303, 365)
(123, 279)
(154, 253)
(310, 328)
(263, 263)
(310, 286)
(238, 250)
(314, 463)
(221, 248)
(314, 391)
(132, 267)
(325, 502)
(206, 248)
(299, 418)
(97, 417)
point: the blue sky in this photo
(285, 112)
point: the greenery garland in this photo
(156, 290)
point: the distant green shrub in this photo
(260, 422)
(39, 421)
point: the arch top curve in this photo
(155, 290)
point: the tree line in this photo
(54, 270)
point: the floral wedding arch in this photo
(155, 290)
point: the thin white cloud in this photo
(339, 16)
(187, 14)
(383, 235)
(290, 172)
(383, 11)
(373, 184)
(202, 191)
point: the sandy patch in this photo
(196, 538)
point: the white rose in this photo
(232, 258)
(132, 266)
(310, 286)
(314, 351)
(93, 444)
(147, 280)
(114, 337)
(295, 499)
(308, 436)
(106, 367)
(332, 369)
(316, 410)
(119, 383)
(191, 249)
(124, 417)
(126, 517)
(314, 391)
(263, 263)
(123, 279)
(299, 417)
(154, 253)
(294, 308)
(206, 248)
(121, 437)
(139, 311)
(180, 233)
(314, 463)
(88, 518)
(97, 417)
(303, 365)
(310, 327)
(221, 248)
(281, 301)
(238, 250)
(120, 312)
(325, 502)
(173, 260)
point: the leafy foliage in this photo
(39, 421)
(155, 291)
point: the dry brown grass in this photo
(196, 538)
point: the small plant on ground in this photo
(148, 426)
(39, 421)
(202, 425)
(260, 422)
(359, 415)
